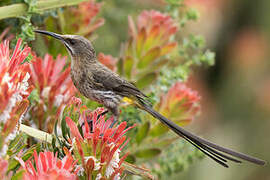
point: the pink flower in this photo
(55, 88)
(99, 146)
(46, 166)
(14, 90)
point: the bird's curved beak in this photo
(62, 38)
(56, 36)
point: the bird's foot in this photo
(102, 114)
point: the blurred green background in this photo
(236, 91)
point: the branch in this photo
(20, 9)
(41, 135)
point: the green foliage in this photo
(142, 132)
(196, 44)
(176, 164)
(17, 145)
(174, 2)
(34, 96)
(27, 28)
(18, 175)
(148, 153)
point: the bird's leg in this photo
(115, 112)
(90, 123)
(115, 119)
(102, 114)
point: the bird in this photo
(98, 83)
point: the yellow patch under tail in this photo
(127, 101)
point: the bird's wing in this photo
(111, 81)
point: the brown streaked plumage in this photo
(97, 82)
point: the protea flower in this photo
(97, 144)
(158, 27)
(46, 166)
(55, 88)
(149, 42)
(108, 61)
(180, 104)
(14, 90)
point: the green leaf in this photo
(209, 58)
(13, 164)
(148, 153)
(129, 47)
(34, 96)
(142, 132)
(174, 2)
(167, 48)
(140, 42)
(128, 64)
(149, 57)
(153, 37)
(192, 14)
(158, 130)
(65, 130)
(120, 64)
(130, 159)
(146, 80)
(18, 175)
(158, 65)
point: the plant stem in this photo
(13, 10)
(20, 9)
(41, 135)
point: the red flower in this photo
(99, 149)
(180, 104)
(82, 19)
(153, 29)
(108, 61)
(156, 22)
(55, 88)
(150, 39)
(48, 167)
(14, 89)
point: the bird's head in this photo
(76, 45)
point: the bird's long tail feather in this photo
(212, 150)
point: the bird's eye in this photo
(72, 41)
